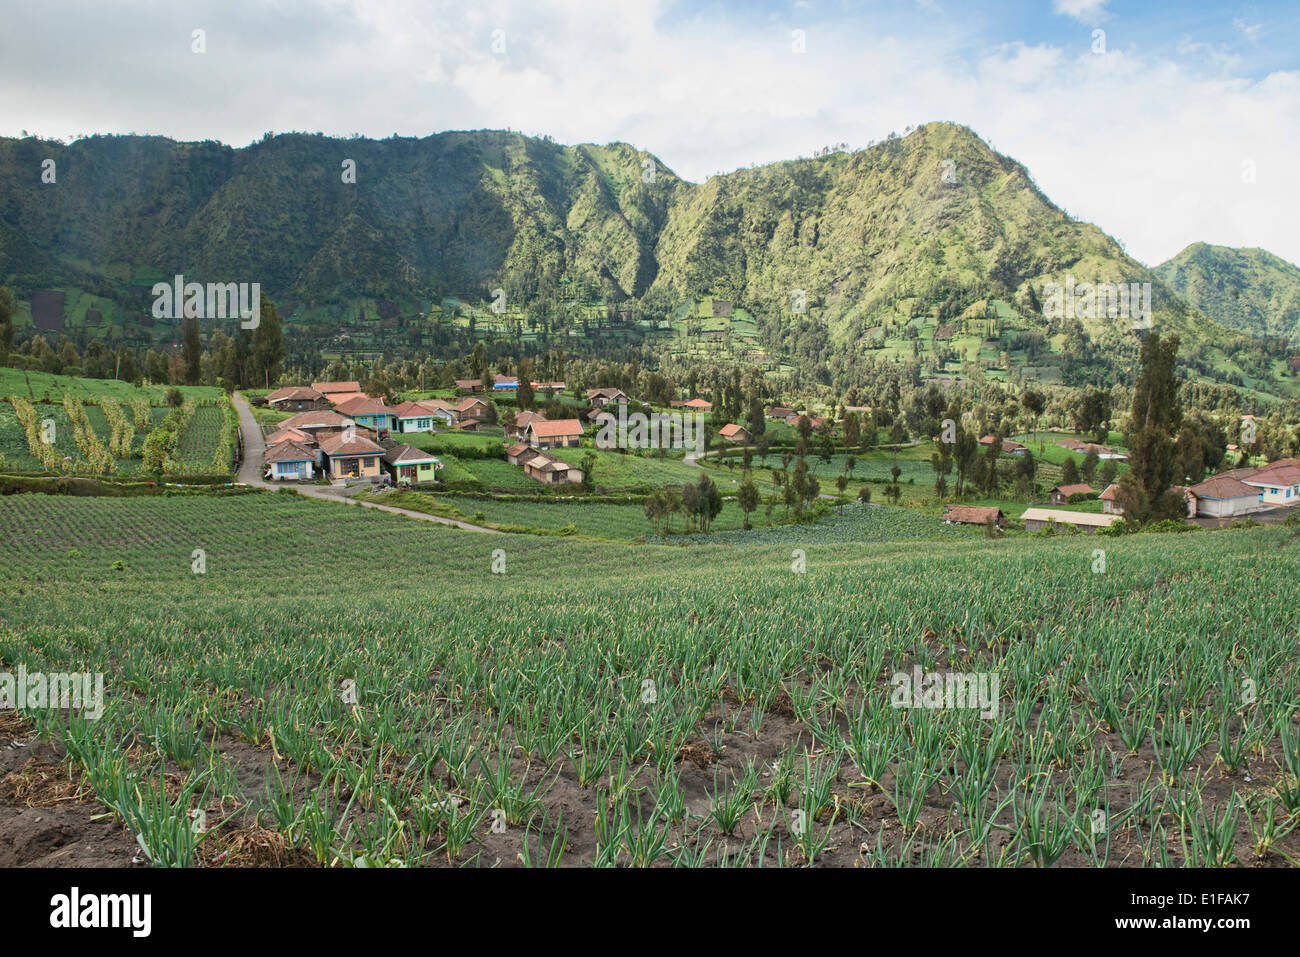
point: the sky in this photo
(1165, 123)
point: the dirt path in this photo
(252, 468)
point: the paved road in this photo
(252, 468)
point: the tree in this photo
(1069, 472)
(268, 346)
(941, 462)
(126, 367)
(1091, 413)
(1089, 467)
(1034, 405)
(804, 428)
(1155, 416)
(702, 501)
(524, 393)
(191, 348)
(155, 367)
(991, 458)
(755, 421)
(800, 480)
(1026, 470)
(1202, 446)
(6, 322)
(747, 497)
(965, 454)
(852, 430)
(691, 503)
(588, 466)
(654, 508)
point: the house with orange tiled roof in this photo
(518, 428)
(329, 389)
(735, 433)
(1224, 496)
(414, 417)
(314, 421)
(369, 412)
(475, 409)
(972, 515)
(518, 452)
(349, 455)
(338, 398)
(599, 398)
(1110, 501)
(549, 470)
(297, 398)
(441, 410)
(1008, 447)
(291, 461)
(1062, 493)
(557, 434)
(279, 434)
(1278, 484)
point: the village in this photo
(338, 434)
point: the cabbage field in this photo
(334, 686)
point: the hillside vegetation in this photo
(1247, 289)
(928, 245)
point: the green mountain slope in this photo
(451, 214)
(1247, 289)
(930, 246)
(879, 236)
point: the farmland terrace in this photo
(337, 684)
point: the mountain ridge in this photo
(1245, 288)
(886, 243)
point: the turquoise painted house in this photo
(372, 413)
(413, 417)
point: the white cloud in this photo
(1148, 147)
(1091, 12)
(1249, 30)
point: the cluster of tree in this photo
(699, 502)
(249, 358)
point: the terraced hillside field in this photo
(336, 684)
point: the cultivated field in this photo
(342, 686)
